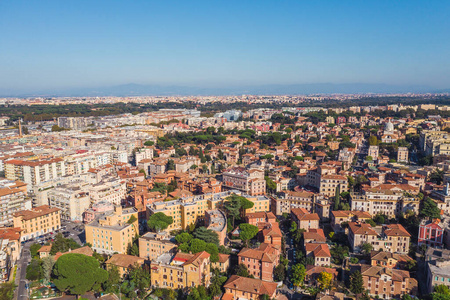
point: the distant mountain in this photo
(269, 89)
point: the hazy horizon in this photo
(61, 45)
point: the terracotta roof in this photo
(319, 250)
(45, 248)
(124, 261)
(36, 212)
(86, 250)
(251, 285)
(303, 214)
(361, 228)
(223, 258)
(315, 234)
(395, 230)
(265, 253)
(10, 233)
(310, 270)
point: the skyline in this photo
(50, 45)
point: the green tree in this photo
(170, 164)
(241, 270)
(339, 253)
(109, 285)
(7, 290)
(34, 250)
(47, 267)
(373, 141)
(217, 281)
(324, 279)
(279, 273)
(441, 289)
(139, 278)
(271, 186)
(197, 245)
(430, 209)
(207, 235)
(149, 143)
(248, 231)
(356, 283)
(34, 270)
(61, 244)
(159, 221)
(366, 248)
(183, 237)
(133, 249)
(337, 197)
(198, 293)
(78, 273)
(298, 273)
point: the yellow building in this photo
(152, 245)
(113, 231)
(180, 270)
(124, 263)
(186, 211)
(37, 221)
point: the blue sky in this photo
(60, 44)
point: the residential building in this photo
(320, 252)
(341, 217)
(402, 154)
(181, 270)
(438, 268)
(389, 259)
(238, 287)
(112, 232)
(124, 263)
(188, 210)
(152, 245)
(261, 261)
(393, 237)
(248, 181)
(304, 219)
(387, 283)
(37, 221)
(34, 172)
(13, 196)
(71, 199)
(223, 264)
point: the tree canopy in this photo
(78, 273)
(159, 221)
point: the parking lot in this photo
(68, 230)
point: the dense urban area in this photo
(235, 197)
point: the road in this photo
(22, 263)
(75, 231)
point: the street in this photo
(22, 263)
(73, 230)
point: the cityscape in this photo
(224, 151)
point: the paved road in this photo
(76, 232)
(25, 258)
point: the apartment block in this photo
(112, 232)
(238, 287)
(187, 210)
(34, 172)
(260, 262)
(152, 245)
(181, 270)
(387, 283)
(248, 181)
(72, 200)
(392, 238)
(13, 196)
(37, 221)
